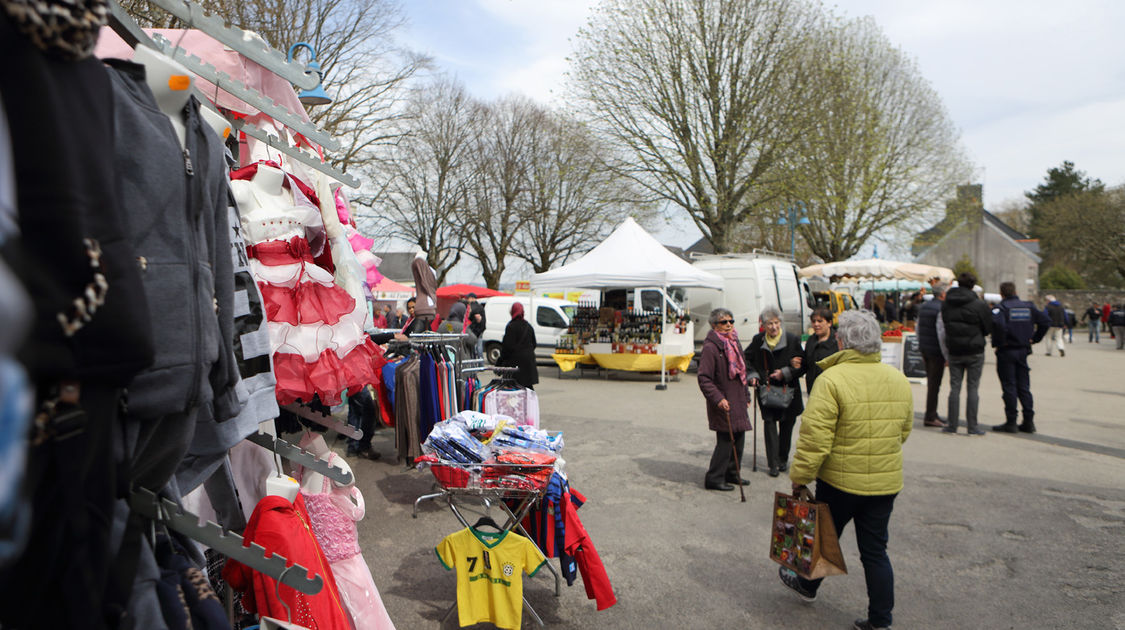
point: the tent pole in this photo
(663, 356)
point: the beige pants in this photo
(1055, 339)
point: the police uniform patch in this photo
(1019, 314)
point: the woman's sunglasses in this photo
(725, 321)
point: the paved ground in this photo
(994, 532)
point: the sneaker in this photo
(949, 430)
(976, 432)
(789, 579)
(863, 624)
(1062, 353)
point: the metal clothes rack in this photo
(161, 510)
(524, 500)
(298, 455)
(324, 420)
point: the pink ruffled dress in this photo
(333, 514)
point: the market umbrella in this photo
(877, 269)
(461, 290)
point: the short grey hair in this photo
(860, 331)
(718, 314)
(939, 289)
(770, 312)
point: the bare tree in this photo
(365, 72)
(883, 155)
(1014, 213)
(499, 193)
(428, 175)
(574, 200)
(705, 97)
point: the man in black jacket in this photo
(931, 352)
(963, 325)
(1057, 315)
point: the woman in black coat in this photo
(821, 345)
(517, 349)
(722, 379)
(775, 356)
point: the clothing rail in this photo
(173, 516)
(300, 456)
(251, 45)
(324, 420)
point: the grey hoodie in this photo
(175, 206)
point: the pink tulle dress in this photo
(316, 328)
(333, 514)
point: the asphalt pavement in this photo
(999, 531)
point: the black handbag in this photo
(774, 396)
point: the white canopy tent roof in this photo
(630, 257)
(877, 269)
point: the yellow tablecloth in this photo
(568, 362)
(642, 362)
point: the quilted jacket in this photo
(859, 413)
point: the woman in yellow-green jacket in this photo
(859, 413)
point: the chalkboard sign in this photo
(913, 365)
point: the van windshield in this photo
(569, 311)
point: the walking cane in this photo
(734, 451)
(755, 431)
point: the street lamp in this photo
(793, 216)
(317, 95)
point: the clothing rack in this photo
(252, 47)
(173, 516)
(324, 420)
(300, 456)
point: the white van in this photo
(752, 282)
(551, 319)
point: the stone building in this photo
(998, 252)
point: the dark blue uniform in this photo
(1016, 324)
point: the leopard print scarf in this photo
(66, 29)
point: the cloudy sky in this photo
(1030, 83)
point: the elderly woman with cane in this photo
(722, 379)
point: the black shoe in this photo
(1027, 427)
(744, 482)
(368, 453)
(1062, 353)
(1008, 427)
(976, 432)
(951, 430)
(784, 467)
(863, 624)
(789, 579)
(773, 471)
(722, 487)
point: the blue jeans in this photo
(971, 366)
(1095, 331)
(871, 514)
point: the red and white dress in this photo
(316, 328)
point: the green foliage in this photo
(963, 265)
(1059, 277)
(1060, 182)
(1085, 231)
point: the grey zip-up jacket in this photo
(175, 205)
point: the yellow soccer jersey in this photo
(489, 574)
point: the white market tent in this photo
(877, 269)
(630, 257)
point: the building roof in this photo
(702, 246)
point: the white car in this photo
(551, 319)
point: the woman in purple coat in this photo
(722, 379)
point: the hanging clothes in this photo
(284, 528)
(334, 515)
(316, 329)
(408, 444)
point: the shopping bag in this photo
(803, 537)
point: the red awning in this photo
(461, 290)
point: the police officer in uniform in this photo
(1016, 324)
